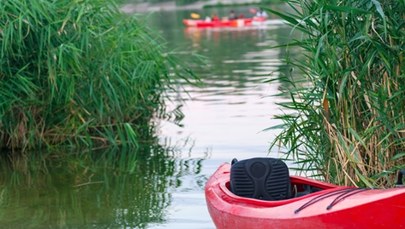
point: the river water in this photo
(163, 185)
(226, 117)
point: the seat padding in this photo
(261, 178)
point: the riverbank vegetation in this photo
(347, 123)
(78, 73)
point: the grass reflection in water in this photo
(115, 188)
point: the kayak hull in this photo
(358, 208)
(223, 23)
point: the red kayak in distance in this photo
(224, 22)
(311, 204)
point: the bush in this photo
(76, 73)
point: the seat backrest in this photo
(261, 178)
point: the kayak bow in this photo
(323, 206)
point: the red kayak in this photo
(223, 23)
(298, 203)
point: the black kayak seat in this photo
(260, 178)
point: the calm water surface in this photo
(226, 117)
(163, 185)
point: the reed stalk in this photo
(347, 123)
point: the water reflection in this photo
(116, 188)
(227, 115)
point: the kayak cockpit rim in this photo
(296, 181)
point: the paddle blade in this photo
(195, 16)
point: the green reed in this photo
(346, 120)
(78, 73)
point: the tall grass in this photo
(347, 123)
(77, 73)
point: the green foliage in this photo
(348, 115)
(77, 73)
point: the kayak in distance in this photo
(239, 22)
(260, 193)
